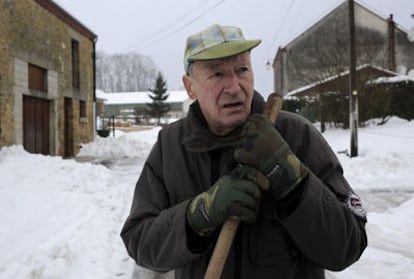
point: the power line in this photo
(282, 23)
(174, 31)
(286, 16)
(176, 21)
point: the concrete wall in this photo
(323, 50)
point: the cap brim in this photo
(225, 50)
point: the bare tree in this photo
(124, 72)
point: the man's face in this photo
(224, 90)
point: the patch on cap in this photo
(216, 42)
(354, 203)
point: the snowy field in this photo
(62, 218)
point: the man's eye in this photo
(244, 69)
(216, 75)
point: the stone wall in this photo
(6, 74)
(36, 34)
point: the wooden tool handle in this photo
(272, 107)
(229, 229)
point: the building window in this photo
(37, 78)
(75, 65)
(82, 109)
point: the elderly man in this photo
(299, 215)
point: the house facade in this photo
(47, 78)
(129, 105)
(322, 51)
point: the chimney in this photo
(391, 43)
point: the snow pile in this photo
(384, 156)
(62, 218)
(57, 217)
(136, 144)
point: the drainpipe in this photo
(0, 113)
(94, 85)
(282, 71)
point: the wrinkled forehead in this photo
(240, 59)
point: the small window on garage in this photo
(75, 65)
(37, 78)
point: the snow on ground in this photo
(62, 218)
(383, 175)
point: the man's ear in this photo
(188, 84)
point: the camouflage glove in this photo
(237, 194)
(263, 148)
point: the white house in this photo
(126, 103)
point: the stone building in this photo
(47, 78)
(321, 52)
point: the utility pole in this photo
(353, 94)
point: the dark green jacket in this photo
(315, 231)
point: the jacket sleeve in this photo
(155, 232)
(327, 229)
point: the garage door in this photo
(36, 125)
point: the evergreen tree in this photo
(158, 108)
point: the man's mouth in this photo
(233, 105)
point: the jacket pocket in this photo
(269, 244)
(270, 247)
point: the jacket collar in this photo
(198, 138)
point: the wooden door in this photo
(68, 137)
(36, 125)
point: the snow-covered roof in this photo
(316, 83)
(396, 79)
(120, 98)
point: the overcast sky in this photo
(159, 28)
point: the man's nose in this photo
(232, 83)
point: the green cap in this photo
(216, 42)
